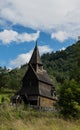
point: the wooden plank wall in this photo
(45, 102)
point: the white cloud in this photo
(21, 59)
(7, 36)
(44, 49)
(25, 57)
(60, 36)
(28, 37)
(62, 49)
(44, 15)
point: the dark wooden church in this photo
(37, 88)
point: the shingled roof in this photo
(35, 59)
(42, 76)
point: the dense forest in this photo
(62, 64)
(64, 69)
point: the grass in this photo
(12, 118)
(19, 118)
(5, 94)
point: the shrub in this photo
(69, 99)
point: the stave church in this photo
(37, 87)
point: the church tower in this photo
(35, 60)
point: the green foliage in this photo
(2, 99)
(12, 79)
(64, 64)
(69, 99)
(75, 72)
(5, 95)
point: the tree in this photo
(75, 69)
(69, 99)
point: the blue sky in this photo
(54, 24)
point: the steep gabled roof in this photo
(29, 70)
(43, 76)
(35, 59)
(40, 76)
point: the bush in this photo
(69, 99)
(2, 99)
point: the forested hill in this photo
(61, 64)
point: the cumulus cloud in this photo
(25, 57)
(56, 15)
(28, 37)
(21, 59)
(8, 36)
(60, 36)
(62, 49)
(44, 49)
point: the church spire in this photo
(35, 60)
(36, 44)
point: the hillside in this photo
(60, 65)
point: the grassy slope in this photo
(6, 93)
(20, 119)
